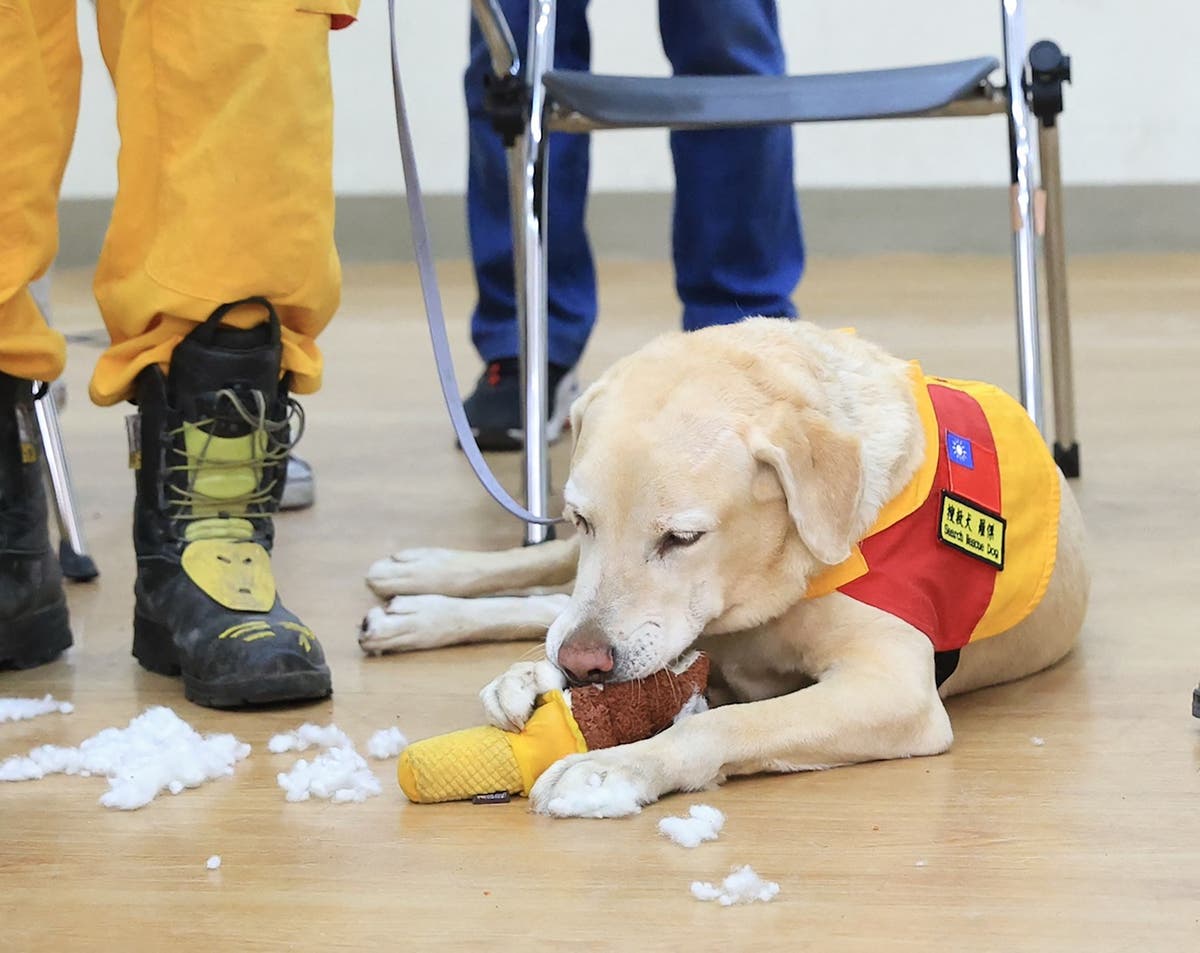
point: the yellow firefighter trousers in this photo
(225, 175)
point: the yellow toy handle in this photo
(462, 764)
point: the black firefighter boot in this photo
(33, 608)
(210, 445)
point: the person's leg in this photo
(737, 244)
(494, 407)
(39, 99)
(217, 273)
(225, 179)
(572, 274)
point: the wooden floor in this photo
(1090, 842)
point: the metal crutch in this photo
(528, 173)
(72, 547)
(521, 103)
(1023, 159)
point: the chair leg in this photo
(1022, 153)
(531, 253)
(1049, 69)
(1066, 446)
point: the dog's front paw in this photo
(597, 784)
(412, 622)
(412, 572)
(509, 699)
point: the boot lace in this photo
(269, 453)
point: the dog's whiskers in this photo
(535, 653)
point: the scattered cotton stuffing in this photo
(336, 774)
(741, 886)
(919, 863)
(614, 797)
(703, 823)
(693, 706)
(309, 736)
(158, 751)
(213, 862)
(386, 743)
(1037, 742)
(20, 709)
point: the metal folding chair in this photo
(526, 104)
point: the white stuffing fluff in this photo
(336, 774)
(213, 862)
(20, 709)
(741, 886)
(309, 736)
(386, 743)
(703, 823)
(693, 706)
(611, 797)
(1037, 742)
(158, 751)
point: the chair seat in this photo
(698, 102)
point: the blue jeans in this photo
(736, 232)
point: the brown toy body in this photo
(619, 713)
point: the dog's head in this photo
(706, 489)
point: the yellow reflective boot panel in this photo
(221, 556)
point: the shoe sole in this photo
(514, 438)
(37, 638)
(154, 648)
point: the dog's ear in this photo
(821, 473)
(579, 406)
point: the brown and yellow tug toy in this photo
(487, 760)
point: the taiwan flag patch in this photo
(959, 450)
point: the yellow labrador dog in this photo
(849, 541)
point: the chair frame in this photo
(1036, 208)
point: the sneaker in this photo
(299, 487)
(494, 409)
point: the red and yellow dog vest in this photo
(965, 551)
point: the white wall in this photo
(1128, 118)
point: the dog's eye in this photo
(678, 540)
(582, 524)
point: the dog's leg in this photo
(428, 622)
(875, 700)
(451, 572)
